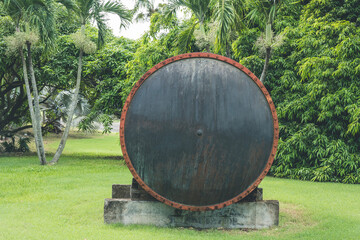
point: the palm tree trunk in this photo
(267, 59)
(228, 54)
(70, 113)
(31, 108)
(37, 116)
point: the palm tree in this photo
(228, 16)
(86, 11)
(33, 19)
(201, 12)
(263, 12)
(149, 7)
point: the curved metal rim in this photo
(189, 207)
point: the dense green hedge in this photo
(314, 81)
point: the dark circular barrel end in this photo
(199, 131)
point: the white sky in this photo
(135, 30)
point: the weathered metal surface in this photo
(199, 131)
(136, 193)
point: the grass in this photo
(88, 144)
(65, 201)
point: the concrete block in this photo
(140, 195)
(255, 195)
(137, 193)
(241, 215)
(120, 191)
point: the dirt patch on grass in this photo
(293, 214)
(292, 219)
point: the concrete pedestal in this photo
(242, 215)
(132, 205)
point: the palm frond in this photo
(140, 17)
(86, 9)
(147, 4)
(100, 22)
(185, 37)
(68, 4)
(224, 15)
(263, 11)
(45, 23)
(97, 12)
(272, 13)
(119, 9)
(171, 8)
(63, 101)
(200, 8)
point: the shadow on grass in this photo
(78, 135)
(18, 154)
(175, 229)
(88, 156)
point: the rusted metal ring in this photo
(271, 156)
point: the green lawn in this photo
(88, 144)
(65, 201)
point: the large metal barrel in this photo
(199, 131)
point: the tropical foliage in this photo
(306, 52)
(313, 81)
(85, 11)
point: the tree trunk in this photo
(31, 108)
(37, 115)
(267, 59)
(70, 113)
(228, 53)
